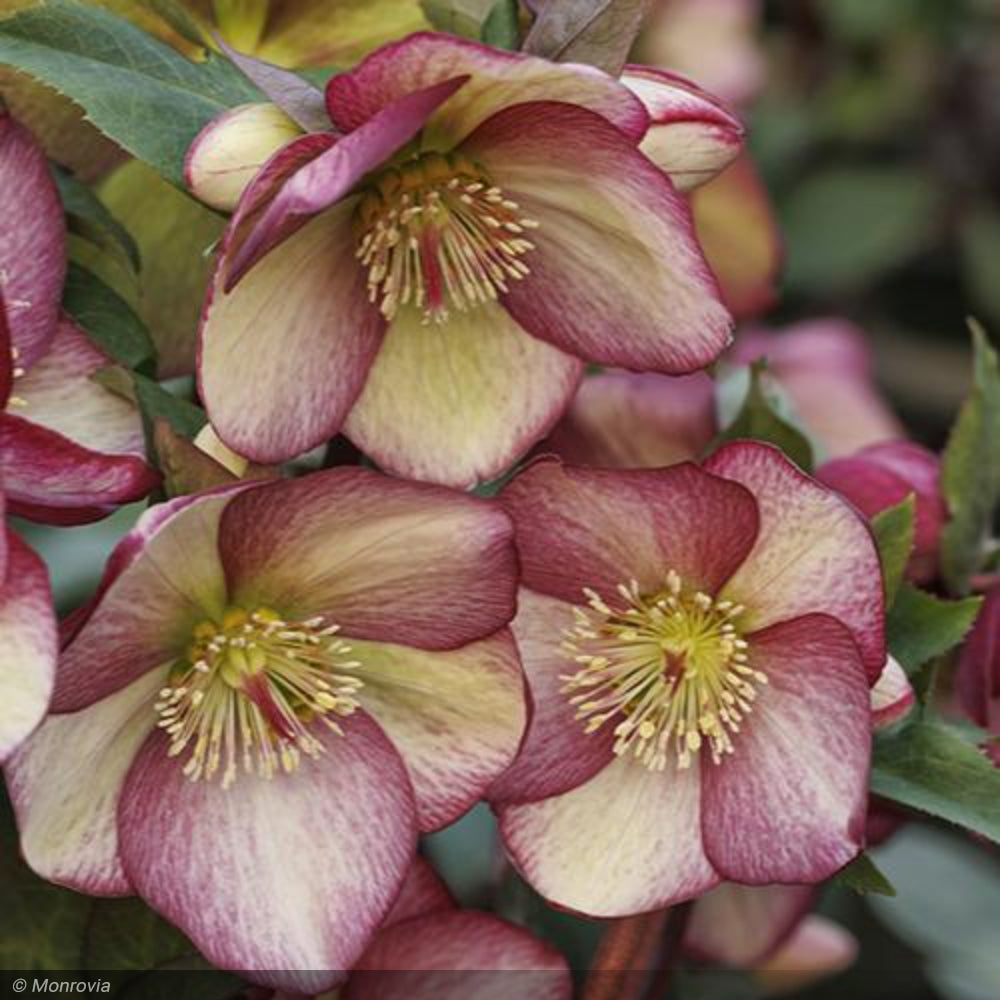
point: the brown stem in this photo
(624, 957)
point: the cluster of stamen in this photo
(437, 235)
(671, 668)
(248, 691)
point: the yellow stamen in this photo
(249, 689)
(436, 234)
(670, 667)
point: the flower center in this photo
(437, 234)
(670, 666)
(248, 690)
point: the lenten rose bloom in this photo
(700, 643)
(70, 450)
(431, 274)
(977, 680)
(276, 687)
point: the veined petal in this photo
(284, 354)
(455, 717)
(163, 578)
(28, 643)
(60, 394)
(65, 783)
(385, 559)
(739, 925)
(557, 755)
(789, 804)
(496, 80)
(623, 421)
(616, 274)
(639, 829)
(739, 235)
(892, 697)
(692, 136)
(284, 880)
(813, 553)
(600, 528)
(977, 679)
(817, 948)
(333, 174)
(51, 479)
(423, 892)
(32, 242)
(459, 403)
(462, 955)
(231, 149)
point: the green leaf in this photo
(884, 214)
(107, 318)
(863, 876)
(599, 32)
(927, 767)
(921, 626)
(501, 29)
(127, 934)
(143, 94)
(894, 532)
(760, 420)
(88, 218)
(970, 471)
(466, 18)
(154, 401)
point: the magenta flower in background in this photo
(977, 680)
(431, 276)
(700, 643)
(276, 687)
(70, 451)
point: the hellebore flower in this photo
(977, 680)
(699, 643)
(241, 712)
(883, 475)
(70, 450)
(431, 278)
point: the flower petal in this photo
(892, 697)
(28, 643)
(423, 892)
(330, 176)
(600, 528)
(32, 242)
(463, 955)
(617, 276)
(60, 394)
(789, 804)
(623, 421)
(231, 149)
(284, 880)
(977, 679)
(817, 948)
(557, 755)
(163, 578)
(739, 926)
(459, 403)
(639, 829)
(284, 354)
(67, 802)
(51, 479)
(825, 366)
(387, 560)
(692, 136)
(813, 552)
(739, 234)
(456, 717)
(496, 80)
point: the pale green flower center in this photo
(248, 690)
(671, 667)
(436, 234)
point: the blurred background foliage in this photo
(877, 132)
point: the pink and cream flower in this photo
(431, 274)
(276, 687)
(700, 643)
(70, 450)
